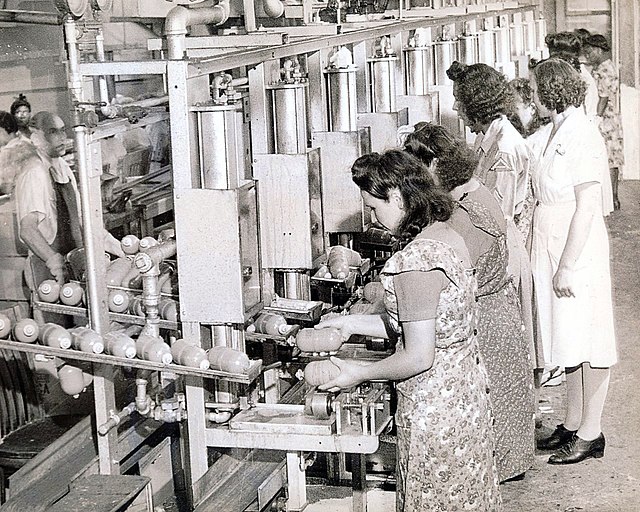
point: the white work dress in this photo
(573, 329)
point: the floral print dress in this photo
(606, 76)
(506, 350)
(444, 421)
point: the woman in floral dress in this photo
(596, 50)
(501, 338)
(445, 457)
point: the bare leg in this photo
(596, 385)
(575, 394)
(615, 174)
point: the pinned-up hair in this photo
(20, 101)
(563, 42)
(455, 162)
(482, 91)
(424, 202)
(598, 41)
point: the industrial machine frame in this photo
(187, 84)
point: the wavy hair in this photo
(455, 162)
(559, 84)
(481, 90)
(566, 46)
(424, 202)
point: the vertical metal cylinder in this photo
(221, 145)
(420, 75)
(341, 96)
(529, 37)
(289, 118)
(445, 55)
(503, 50)
(297, 285)
(486, 48)
(517, 39)
(541, 33)
(383, 84)
(468, 49)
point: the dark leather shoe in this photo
(558, 438)
(578, 450)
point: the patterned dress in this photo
(505, 349)
(444, 421)
(606, 76)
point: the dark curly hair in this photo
(481, 90)
(455, 161)
(598, 41)
(424, 202)
(8, 122)
(20, 101)
(566, 46)
(582, 34)
(559, 84)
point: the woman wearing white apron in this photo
(570, 259)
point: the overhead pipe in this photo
(273, 8)
(179, 18)
(32, 17)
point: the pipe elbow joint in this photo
(177, 21)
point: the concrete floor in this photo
(610, 484)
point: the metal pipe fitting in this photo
(179, 18)
(218, 417)
(115, 419)
(143, 402)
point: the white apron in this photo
(573, 329)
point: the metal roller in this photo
(318, 405)
(420, 74)
(289, 118)
(445, 55)
(341, 94)
(383, 84)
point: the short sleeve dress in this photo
(444, 420)
(501, 337)
(606, 76)
(576, 329)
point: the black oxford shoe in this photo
(559, 437)
(578, 450)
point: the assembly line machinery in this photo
(265, 123)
